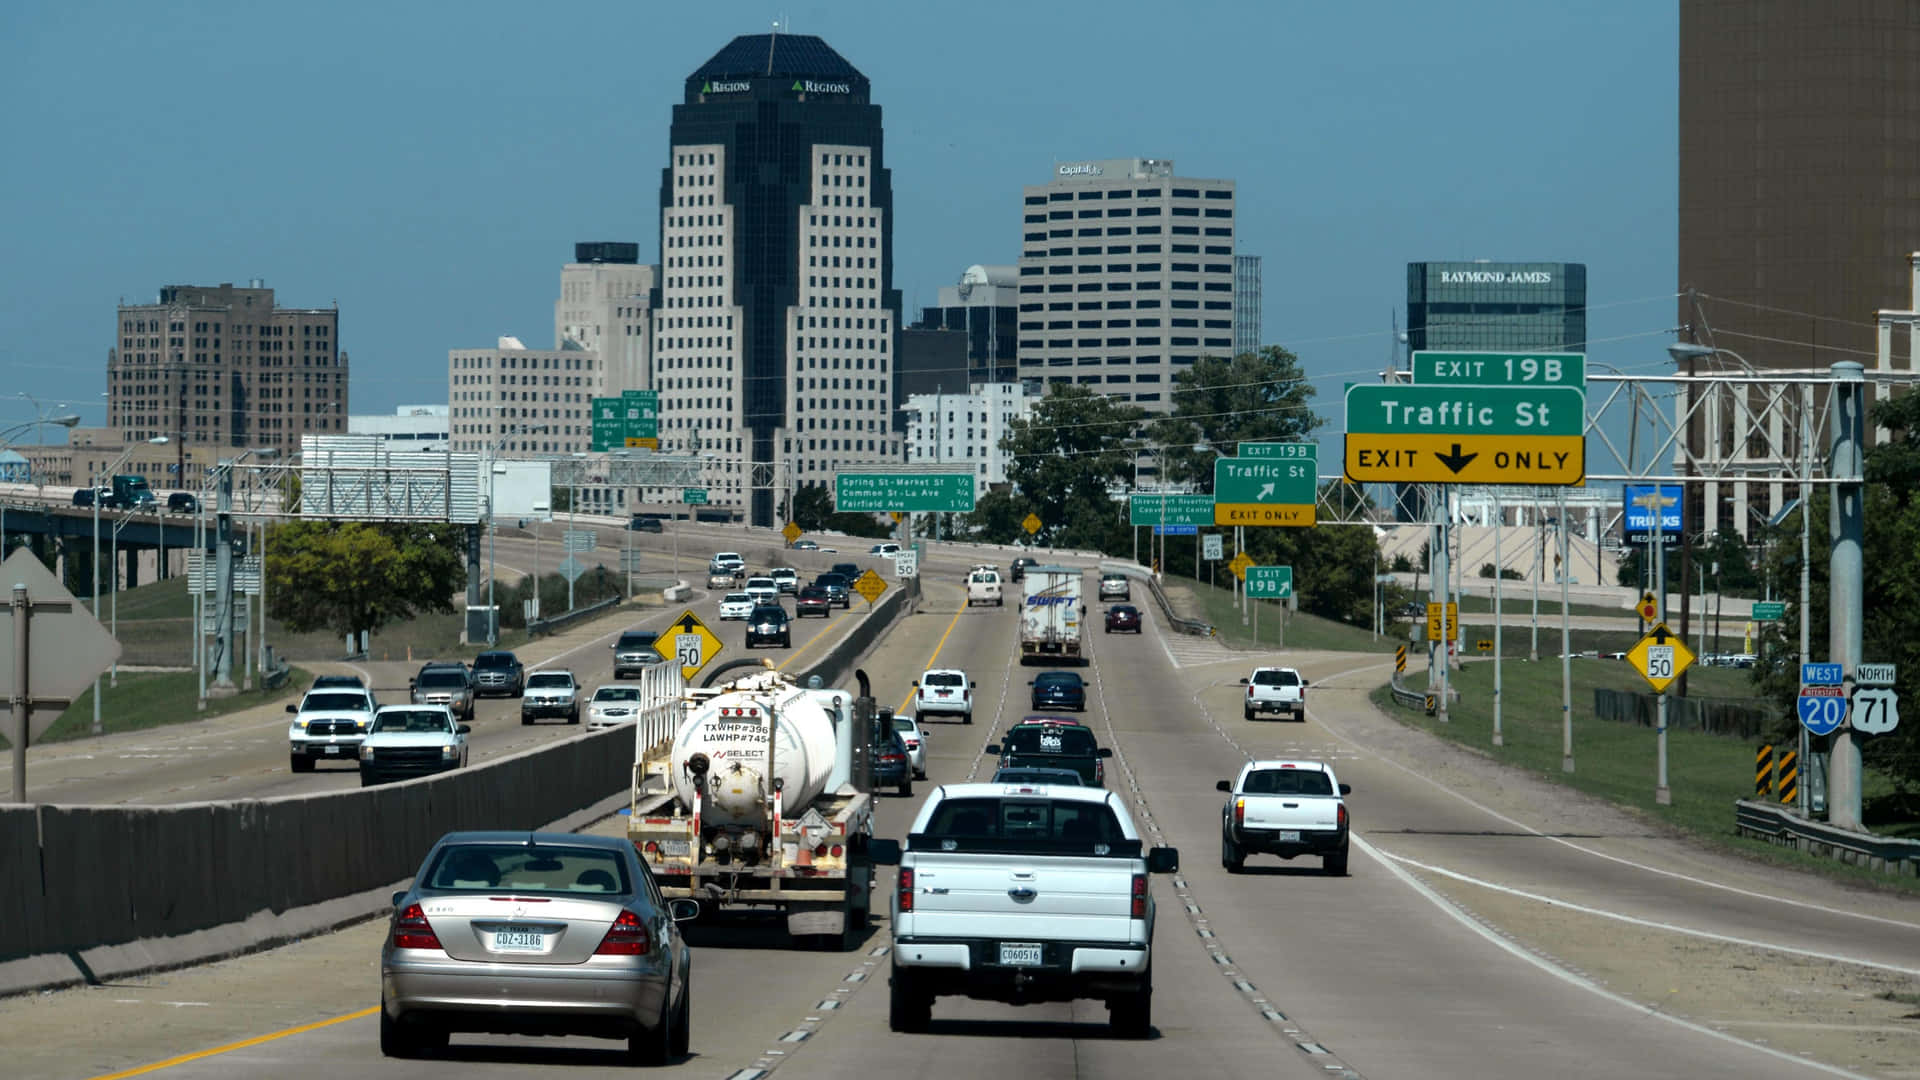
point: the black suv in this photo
(767, 625)
(850, 571)
(1017, 570)
(499, 672)
(638, 523)
(181, 502)
(1054, 745)
(839, 589)
(634, 653)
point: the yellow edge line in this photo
(935, 655)
(241, 1045)
(808, 644)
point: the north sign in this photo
(1264, 491)
(1466, 435)
(1501, 369)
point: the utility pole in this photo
(1499, 607)
(1440, 578)
(223, 586)
(1566, 649)
(1846, 530)
(1806, 555)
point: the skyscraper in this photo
(1497, 307)
(776, 320)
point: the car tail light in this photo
(1249, 691)
(412, 930)
(651, 848)
(626, 937)
(1239, 811)
(836, 851)
(1139, 896)
(906, 889)
(1343, 815)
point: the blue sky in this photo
(429, 166)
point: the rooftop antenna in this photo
(771, 38)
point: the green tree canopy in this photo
(1255, 397)
(349, 576)
(1072, 458)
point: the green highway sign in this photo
(1769, 611)
(1501, 369)
(1284, 451)
(907, 493)
(630, 420)
(1169, 509)
(1269, 582)
(1466, 434)
(693, 496)
(1264, 490)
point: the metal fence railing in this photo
(1779, 825)
(560, 622)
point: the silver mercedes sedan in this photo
(536, 934)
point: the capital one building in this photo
(776, 315)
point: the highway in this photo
(1492, 926)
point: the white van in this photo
(983, 587)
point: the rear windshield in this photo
(830, 579)
(416, 722)
(544, 869)
(493, 659)
(943, 678)
(1276, 677)
(1051, 739)
(986, 577)
(738, 598)
(1288, 782)
(1029, 825)
(812, 592)
(552, 679)
(617, 693)
(334, 702)
(759, 582)
(1057, 679)
(903, 723)
(441, 678)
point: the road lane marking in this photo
(197, 1055)
(935, 655)
(831, 624)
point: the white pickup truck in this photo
(1284, 808)
(1024, 893)
(1275, 690)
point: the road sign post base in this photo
(1566, 763)
(1499, 739)
(1663, 796)
(222, 690)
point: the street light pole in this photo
(126, 453)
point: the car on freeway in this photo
(943, 692)
(915, 740)
(887, 752)
(1055, 746)
(805, 545)
(331, 682)
(1037, 775)
(812, 600)
(1613, 656)
(983, 587)
(85, 496)
(720, 579)
(1058, 690)
(550, 692)
(785, 578)
(640, 523)
(1279, 690)
(1285, 808)
(328, 725)
(183, 502)
(536, 934)
(887, 548)
(735, 605)
(613, 705)
(1123, 618)
(499, 672)
(1114, 587)
(850, 571)
(633, 652)
(1017, 569)
(839, 589)
(444, 682)
(729, 561)
(767, 625)
(412, 740)
(763, 589)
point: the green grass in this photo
(1615, 761)
(1303, 631)
(149, 699)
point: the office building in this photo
(605, 304)
(984, 305)
(410, 427)
(966, 429)
(1246, 304)
(1126, 277)
(776, 319)
(225, 367)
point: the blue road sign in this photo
(1820, 675)
(1822, 708)
(1176, 530)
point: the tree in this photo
(1255, 397)
(350, 576)
(561, 499)
(813, 510)
(996, 518)
(1072, 456)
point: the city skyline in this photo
(442, 235)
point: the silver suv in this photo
(551, 692)
(634, 653)
(446, 683)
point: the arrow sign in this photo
(689, 643)
(1456, 460)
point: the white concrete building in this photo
(966, 429)
(410, 427)
(605, 305)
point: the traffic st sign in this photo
(1501, 369)
(67, 648)
(689, 643)
(1435, 630)
(1264, 491)
(791, 532)
(1875, 711)
(870, 585)
(1398, 433)
(1031, 524)
(1822, 708)
(1269, 582)
(1660, 657)
(1169, 509)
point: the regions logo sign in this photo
(808, 86)
(737, 87)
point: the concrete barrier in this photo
(834, 668)
(96, 879)
(675, 594)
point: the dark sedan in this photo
(812, 600)
(888, 753)
(1124, 618)
(767, 625)
(638, 523)
(1018, 568)
(1059, 690)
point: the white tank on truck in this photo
(725, 741)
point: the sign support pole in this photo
(1439, 576)
(1499, 608)
(1662, 794)
(22, 690)
(1846, 528)
(1566, 650)
(1806, 543)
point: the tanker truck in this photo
(755, 802)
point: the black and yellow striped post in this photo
(1763, 772)
(1400, 659)
(1787, 777)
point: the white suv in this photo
(944, 690)
(764, 590)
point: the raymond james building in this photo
(776, 320)
(1126, 277)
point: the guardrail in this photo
(1175, 620)
(1412, 699)
(1777, 825)
(560, 622)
